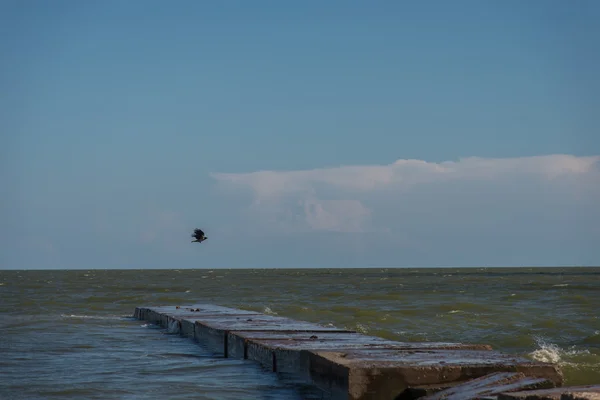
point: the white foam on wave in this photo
(91, 316)
(552, 353)
(412, 335)
(361, 328)
(268, 310)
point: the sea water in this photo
(70, 334)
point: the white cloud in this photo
(335, 215)
(405, 172)
(379, 197)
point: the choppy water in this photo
(69, 334)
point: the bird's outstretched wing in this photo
(198, 233)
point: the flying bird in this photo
(198, 235)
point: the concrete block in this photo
(586, 392)
(491, 385)
(384, 374)
(154, 317)
(238, 340)
(283, 352)
(173, 325)
(207, 309)
(185, 324)
(214, 330)
(181, 319)
(188, 328)
(347, 364)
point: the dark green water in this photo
(68, 334)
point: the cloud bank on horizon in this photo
(470, 192)
(542, 210)
(539, 210)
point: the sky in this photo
(299, 134)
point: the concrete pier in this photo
(343, 364)
(587, 392)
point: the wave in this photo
(268, 310)
(361, 328)
(592, 340)
(552, 353)
(103, 317)
(574, 361)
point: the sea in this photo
(69, 334)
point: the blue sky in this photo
(280, 129)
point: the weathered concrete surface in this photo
(282, 352)
(587, 392)
(418, 392)
(182, 319)
(491, 385)
(161, 315)
(215, 330)
(195, 309)
(239, 341)
(344, 363)
(383, 374)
